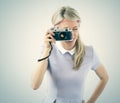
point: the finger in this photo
(49, 32)
(49, 40)
(53, 39)
(50, 37)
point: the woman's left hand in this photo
(83, 101)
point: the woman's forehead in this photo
(68, 23)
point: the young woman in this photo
(69, 61)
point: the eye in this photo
(74, 29)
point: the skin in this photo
(41, 67)
(74, 26)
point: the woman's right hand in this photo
(49, 39)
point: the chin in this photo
(71, 41)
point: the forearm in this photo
(39, 71)
(97, 91)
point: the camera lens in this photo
(62, 36)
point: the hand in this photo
(83, 101)
(89, 102)
(49, 39)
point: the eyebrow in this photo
(72, 28)
(75, 26)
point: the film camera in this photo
(62, 34)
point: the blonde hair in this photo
(69, 13)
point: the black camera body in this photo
(62, 34)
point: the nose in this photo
(73, 34)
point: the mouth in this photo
(69, 41)
(72, 38)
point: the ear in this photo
(78, 21)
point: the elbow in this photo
(34, 87)
(105, 79)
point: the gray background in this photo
(22, 26)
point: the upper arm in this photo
(101, 72)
